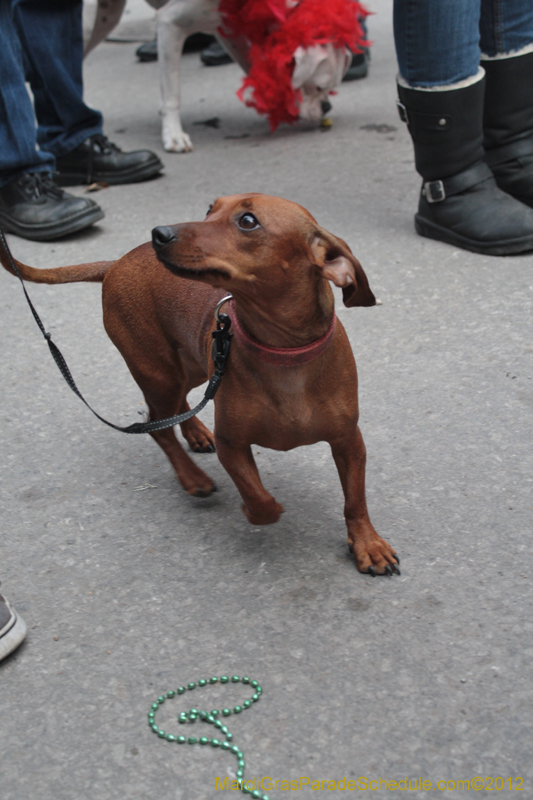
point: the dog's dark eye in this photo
(248, 222)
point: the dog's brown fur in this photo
(158, 310)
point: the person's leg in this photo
(441, 89)
(506, 27)
(31, 205)
(437, 43)
(51, 36)
(18, 151)
(50, 32)
(507, 58)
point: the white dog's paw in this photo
(174, 139)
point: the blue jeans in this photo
(41, 41)
(439, 42)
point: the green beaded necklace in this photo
(212, 718)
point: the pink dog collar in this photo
(281, 356)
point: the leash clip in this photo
(221, 344)
(219, 306)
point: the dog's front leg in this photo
(372, 553)
(170, 40)
(259, 507)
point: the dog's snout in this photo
(162, 235)
(326, 106)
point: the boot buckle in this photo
(402, 111)
(433, 191)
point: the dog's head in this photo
(318, 70)
(261, 247)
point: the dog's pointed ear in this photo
(336, 262)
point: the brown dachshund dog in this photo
(291, 378)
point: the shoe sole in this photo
(148, 170)
(501, 248)
(14, 636)
(216, 62)
(46, 233)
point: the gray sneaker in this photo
(12, 628)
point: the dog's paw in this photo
(198, 437)
(203, 488)
(174, 139)
(267, 516)
(196, 482)
(203, 491)
(375, 557)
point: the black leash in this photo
(221, 344)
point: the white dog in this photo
(317, 69)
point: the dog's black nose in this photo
(162, 236)
(326, 106)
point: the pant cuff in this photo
(511, 54)
(480, 74)
(72, 144)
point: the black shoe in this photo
(460, 202)
(359, 67)
(98, 159)
(470, 211)
(215, 55)
(147, 51)
(197, 42)
(34, 207)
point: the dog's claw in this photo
(350, 547)
(197, 447)
(206, 492)
(372, 571)
(396, 557)
(396, 569)
(388, 570)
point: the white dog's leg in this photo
(170, 40)
(175, 21)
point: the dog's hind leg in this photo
(192, 478)
(198, 436)
(165, 399)
(164, 383)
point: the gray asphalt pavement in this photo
(130, 587)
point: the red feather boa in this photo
(275, 32)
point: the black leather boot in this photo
(508, 124)
(147, 51)
(460, 202)
(215, 55)
(32, 206)
(98, 159)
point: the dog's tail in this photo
(95, 271)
